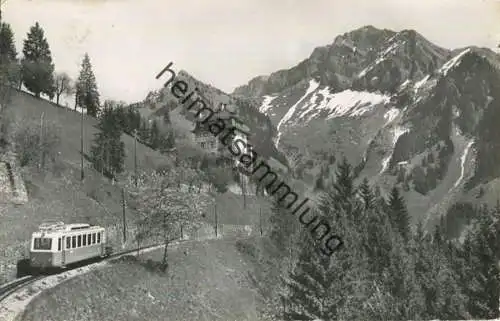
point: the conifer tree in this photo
(87, 95)
(339, 194)
(307, 287)
(366, 194)
(37, 67)
(9, 66)
(319, 185)
(108, 151)
(154, 135)
(484, 283)
(169, 140)
(143, 130)
(344, 185)
(8, 52)
(378, 242)
(398, 213)
(281, 226)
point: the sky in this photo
(226, 43)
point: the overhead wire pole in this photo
(41, 143)
(135, 157)
(260, 220)
(81, 145)
(124, 217)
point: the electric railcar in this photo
(57, 245)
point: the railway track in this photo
(11, 287)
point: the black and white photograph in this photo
(250, 160)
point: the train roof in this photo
(49, 228)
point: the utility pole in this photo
(41, 142)
(81, 146)
(215, 210)
(135, 157)
(260, 220)
(124, 219)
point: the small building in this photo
(212, 144)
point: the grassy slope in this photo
(205, 284)
(61, 195)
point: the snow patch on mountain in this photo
(385, 164)
(390, 115)
(315, 102)
(381, 58)
(453, 62)
(345, 103)
(462, 163)
(266, 103)
(404, 85)
(313, 85)
(397, 132)
(421, 82)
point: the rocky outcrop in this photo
(12, 187)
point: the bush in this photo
(34, 146)
(220, 178)
(154, 266)
(247, 248)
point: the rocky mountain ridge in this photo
(403, 110)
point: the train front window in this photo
(68, 242)
(40, 243)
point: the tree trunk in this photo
(164, 259)
(165, 240)
(57, 98)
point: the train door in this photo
(100, 239)
(63, 253)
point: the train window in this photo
(68, 242)
(42, 243)
(84, 237)
(59, 245)
(99, 237)
(93, 238)
(79, 244)
(73, 241)
(89, 239)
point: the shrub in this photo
(36, 145)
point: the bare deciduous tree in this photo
(163, 207)
(64, 85)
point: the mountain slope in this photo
(403, 110)
(261, 128)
